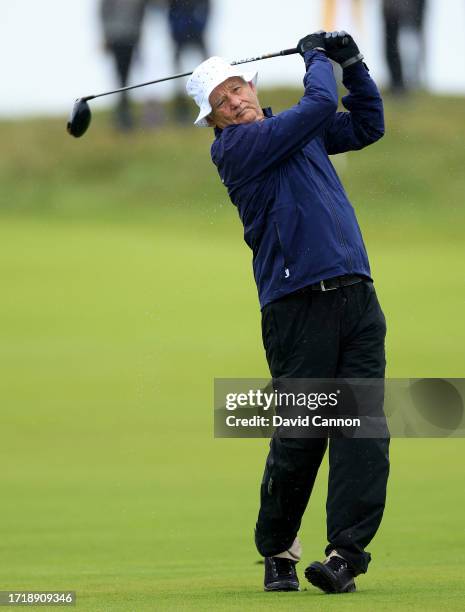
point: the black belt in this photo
(336, 282)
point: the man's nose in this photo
(235, 102)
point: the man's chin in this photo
(248, 116)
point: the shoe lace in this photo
(283, 566)
(336, 563)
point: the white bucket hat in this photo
(208, 75)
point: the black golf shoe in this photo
(331, 576)
(280, 575)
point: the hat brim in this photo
(206, 109)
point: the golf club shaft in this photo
(185, 74)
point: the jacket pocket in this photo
(280, 242)
(283, 251)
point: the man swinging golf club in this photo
(320, 314)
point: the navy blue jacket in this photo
(297, 218)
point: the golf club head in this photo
(79, 118)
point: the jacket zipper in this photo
(281, 245)
(334, 213)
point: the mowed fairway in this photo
(125, 290)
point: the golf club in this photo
(80, 117)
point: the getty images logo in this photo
(278, 399)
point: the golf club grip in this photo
(289, 51)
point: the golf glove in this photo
(312, 41)
(341, 48)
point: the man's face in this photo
(234, 101)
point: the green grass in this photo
(125, 290)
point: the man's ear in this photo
(210, 121)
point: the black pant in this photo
(123, 53)
(392, 50)
(334, 334)
(395, 17)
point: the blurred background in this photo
(127, 288)
(56, 48)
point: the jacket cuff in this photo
(311, 54)
(358, 68)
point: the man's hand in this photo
(341, 48)
(312, 41)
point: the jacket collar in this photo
(266, 111)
